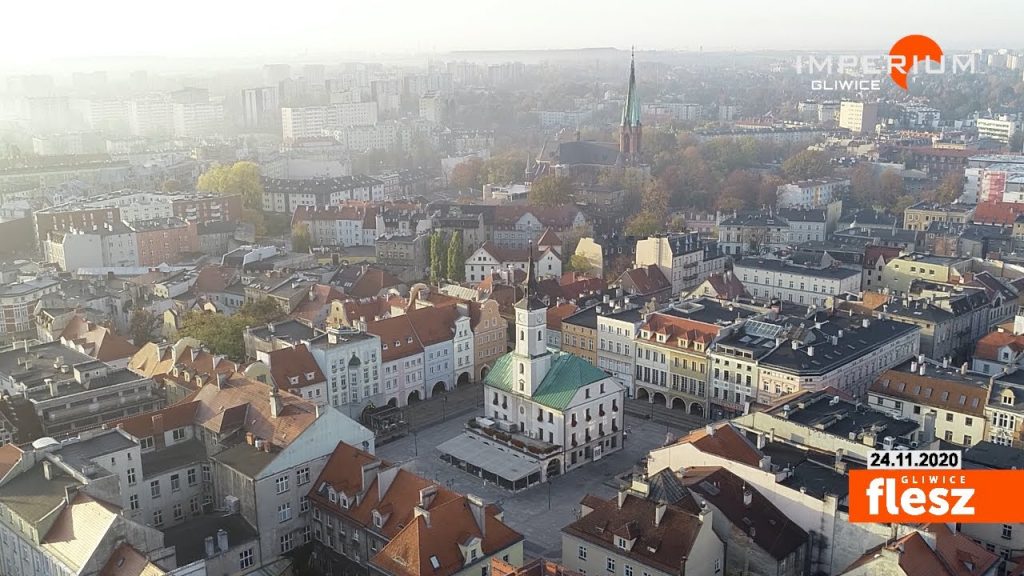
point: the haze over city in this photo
(113, 30)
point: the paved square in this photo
(529, 511)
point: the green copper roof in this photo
(631, 110)
(567, 374)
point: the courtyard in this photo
(539, 512)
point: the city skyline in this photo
(196, 31)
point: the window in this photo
(284, 512)
(281, 484)
(133, 502)
(246, 559)
(627, 570)
(158, 518)
(968, 421)
(718, 565)
(1007, 532)
(131, 476)
(583, 553)
(303, 505)
(206, 472)
(191, 476)
(146, 443)
(179, 513)
(178, 434)
(193, 505)
(610, 564)
(302, 476)
(287, 541)
(967, 440)
(154, 488)
(620, 542)
(175, 482)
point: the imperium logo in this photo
(915, 52)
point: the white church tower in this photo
(531, 357)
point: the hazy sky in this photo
(36, 32)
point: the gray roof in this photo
(245, 459)
(773, 265)
(189, 537)
(173, 457)
(856, 341)
(82, 454)
(32, 497)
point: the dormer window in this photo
(293, 379)
(1007, 398)
(621, 542)
(645, 333)
(408, 339)
(378, 520)
(343, 500)
(332, 495)
(309, 376)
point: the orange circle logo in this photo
(907, 52)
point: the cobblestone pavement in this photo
(541, 511)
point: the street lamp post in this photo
(444, 406)
(415, 443)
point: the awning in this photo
(509, 465)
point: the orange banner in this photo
(967, 496)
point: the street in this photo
(539, 512)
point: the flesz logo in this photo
(907, 52)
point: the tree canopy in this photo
(239, 178)
(550, 191)
(456, 261)
(224, 334)
(807, 165)
(301, 239)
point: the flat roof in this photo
(189, 537)
(773, 265)
(177, 456)
(83, 453)
(245, 459)
(470, 448)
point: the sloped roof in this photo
(175, 416)
(988, 347)
(414, 549)
(79, 530)
(398, 339)
(646, 280)
(296, 415)
(296, 362)
(433, 324)
(549, 238)
(127, 561)
(213, 279)
(9, 456)
(665, 546)
(725, 441)
(727, 286)
(950, 392)
(556, 314)
(769, 527)
(672, 328)
(97, 341)
(372, 282)
(568, 373)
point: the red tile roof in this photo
(397, 337)
(9, 456)
(988, 347)
(674, 328)
(556, 314)
(726, 441)
(549, 238)
(297, 363)
(998, 212)
(96, 341)
(647, 280)
(727, 286)
(373, 281)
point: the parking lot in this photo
(539, 512)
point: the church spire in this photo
(531, 299)
(631, 132)
(631, 109)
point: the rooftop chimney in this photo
(921, 369)
(963, 368)
(659, 513)
(211, 546)
(479, 510)
(222, 540)
(913, 365)
(621, 497)
(276, 404)
(748, 497)
(47, 470)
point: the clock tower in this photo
(531, 359)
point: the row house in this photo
(950, 324)
(617, 331)
(672, 361)
(949, 400)
(519, 226)
(755, 233)
(338, 226)
(490, 258)
(402, 361)
(767, 278)
(285, 196)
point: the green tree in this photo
(260, 311)
(142, 325)
(579, 263)
(438, 258)
(951, 187)
(678, 224)
(890, 189)
(643, 225)
(224, 334)
(806, 165)
(301, 239)
(505, 169)
(456, 260)
(241, 178)
(550, 191)
(468, 175)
